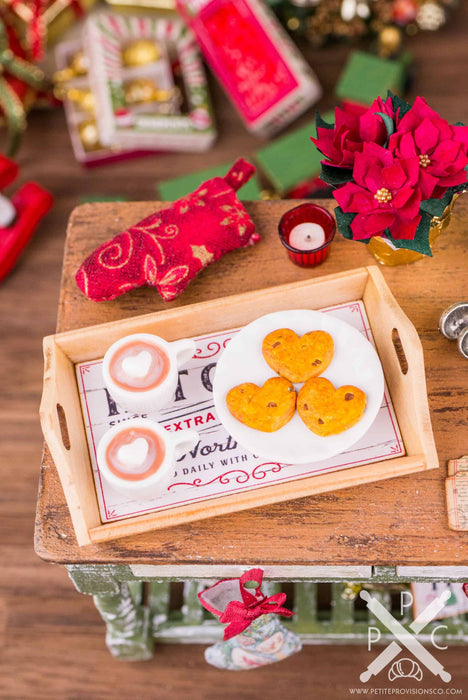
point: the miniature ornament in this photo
(254, 636)
(140, 52)
(170, 247)
(322, 20)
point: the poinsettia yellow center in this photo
(383, 196)
(424, 161)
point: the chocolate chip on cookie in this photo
(267, 408)
(298, 358)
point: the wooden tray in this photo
(396, 340)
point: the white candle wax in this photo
(7, 212)
(307, 236)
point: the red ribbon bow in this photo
(239, 615)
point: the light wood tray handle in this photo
(52, 412)
(62, 425)
(401, 353)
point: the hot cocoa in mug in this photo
(141, 370)
(139, 455)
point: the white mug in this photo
(137, 457)
(132, 378)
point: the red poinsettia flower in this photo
(351, 131)
(442, 149)
(385, 194)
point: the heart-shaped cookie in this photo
(329, 411)
(265, 408)
(298, 358)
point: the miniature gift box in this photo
(143, 5)
(260, 68)
(79, 106)
(381, 75)
(149, 84)
(301, 176)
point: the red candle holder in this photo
(301, 214)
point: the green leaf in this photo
(319, 122)
(335, 176)
(343, 222)
(388, 121)
(420, 243)
(436, 207)
(400, 104)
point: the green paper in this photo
(400, 104)
(178, 187)
(366, 77)
(335, 176)
(292, 159)
(420, 243)
(343, 222)
(436, 207)
(321, 123)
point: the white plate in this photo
(355, 362)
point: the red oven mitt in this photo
(170, 247)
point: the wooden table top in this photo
(396, 521)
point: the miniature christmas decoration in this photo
(149, 84)
(254, 635)
(263, 73)
(397, 170)
(41, 20)
(301, 177)
(381, 74)
(170, 247)
(20, 81)
(323, 20)
(19, 217)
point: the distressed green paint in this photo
(192, 610)
(305, 607)
(129, 634)
(158, 602)
(94, 579)
(132, 627)
(342, 610)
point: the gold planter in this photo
(386, 254)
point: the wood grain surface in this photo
(401, 520)
(52, 639)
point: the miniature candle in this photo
(307, 236)
(306, 232)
